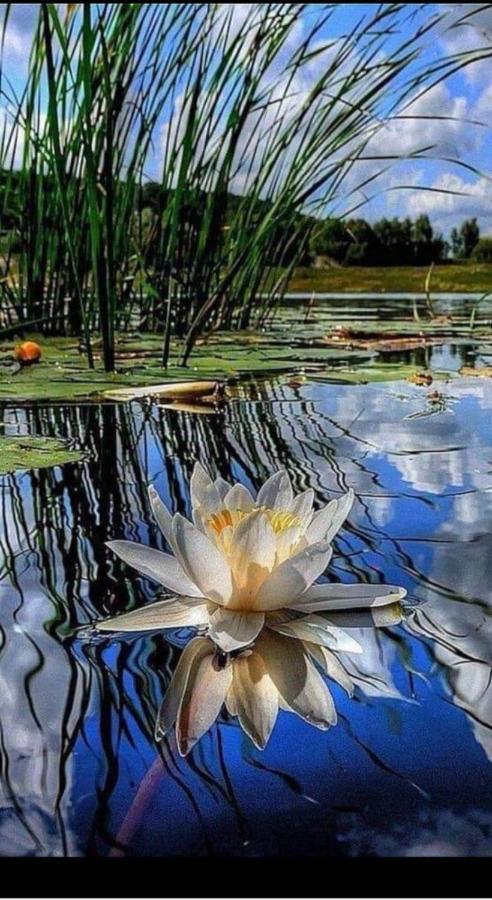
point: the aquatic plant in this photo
(277, 672)
(245, 573)
(97, 701)
(254, 133)
(242, 561)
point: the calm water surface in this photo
(408, 767)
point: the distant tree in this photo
(364, 248)
(359, 255)
(395, 241)
(423, 231)
(388, 242)
(456, 247)
(464, 241)
(428, 246)
(482, 252)
(151, 196)
(470, 235)
(331, 239)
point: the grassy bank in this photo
(460, 278)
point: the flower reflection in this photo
(278, 672)
(242, 561)
(254, 683)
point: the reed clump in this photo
(164, 165)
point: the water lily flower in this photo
(277, 673)
(242, 560)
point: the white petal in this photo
(169, 708)
(332, 597)
(293, 576)
(205, 692)
(204, 492)
(199, 521)
(375, 617)
(327, 521)
(319, 631)
(203, 562)
(302, 505)
(161, 567)
(287, 541)
(182, 613)
(321, 522)
(344, 506)
(276, 493)
(301, 688)
(239, 498)
(255, 698)
(253, 545)
(223, 487)
(331, 665)
(232, 629)
(230, 701)
(161, 513)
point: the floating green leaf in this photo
(34, 453)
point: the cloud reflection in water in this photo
(78, 718)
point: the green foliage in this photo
(482, 251)
(248, 164)
(34, 453)
(388, 242)
(465, 239)
(299, 341)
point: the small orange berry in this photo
(28, 352)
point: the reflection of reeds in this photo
(56, 575)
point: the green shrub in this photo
(483, 250)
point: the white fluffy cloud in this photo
(446, 134)
(471, 29)
(452, 199)
(21, 22)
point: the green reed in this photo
(256, 127)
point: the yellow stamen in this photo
(222, 520)
(280, 519)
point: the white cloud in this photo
(437, 124)
(441, 129)
(451, 199)
(430, 832)
(470, 29)
(18, 36)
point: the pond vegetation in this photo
(185, 446)
(335, 340)
(251, 158)
(81, 710)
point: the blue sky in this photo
(456, 192)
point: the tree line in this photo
(396, 242)
(351, 242)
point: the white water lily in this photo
(242, 560)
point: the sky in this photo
(441, 187)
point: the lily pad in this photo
(340, 343)
(34, 453)
(376, 373)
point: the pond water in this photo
(407, 769)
